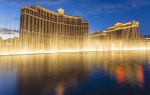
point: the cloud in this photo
(139, 3)
(110, 6)
(32, 1)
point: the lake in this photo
(88, 73)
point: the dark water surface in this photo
(101, 73)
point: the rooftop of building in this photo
(117, 26)
(59, 12)
(121, 25)
(97, 34)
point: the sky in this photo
(99, 13)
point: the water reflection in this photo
(63, 74)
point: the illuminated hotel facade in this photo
(126, 31)
(44, 29)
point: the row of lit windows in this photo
(33, 24)
(36, 21)
(52, 17)
(52, 27)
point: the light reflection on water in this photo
(93, 73)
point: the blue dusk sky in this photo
(99, 13)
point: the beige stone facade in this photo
(44, 29)
(126, 31)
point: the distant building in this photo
(7, 33)
(146, 38)
(127, 31)
(44, 29)
(1, 39)
(98, 35)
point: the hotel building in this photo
(127, 31)
(44, 29)
(118, 37)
